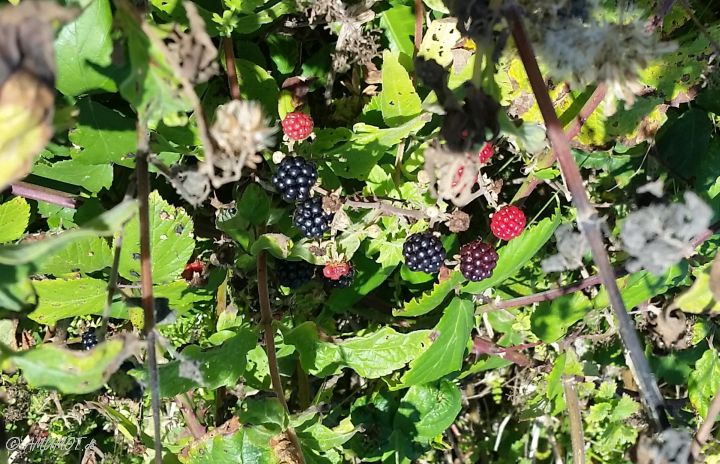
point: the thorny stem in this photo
(703, 433)
(572, 130)
(196, 428)
(148, 303)
(266, 322)
(48, 195)
(576, 427)
(589, 223)
(386, 208)
(233, 83)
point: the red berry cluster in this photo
(508, 222)
(297, 125)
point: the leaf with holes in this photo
(399, 101)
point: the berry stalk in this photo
(589, 222)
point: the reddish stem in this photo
(233, 83)
(48, 195)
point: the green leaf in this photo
(105, 224)
(82, 46)
(516, 254)
(431, 299)
(439, 40)
(230, 443)
(704, 382)
(399, 25)
(373, 355)
(87, 254)
(699, 299)
(254, 205)
(218, 366)
(105, 135)
(551, 320)
(14, 217)
(284, 52)
(641, 286)
(92, 178)
(427, 410)
(257, 84)
(278, 245)
(171, 242)
(318, 437)
(684, 141)
(60, 299)
(445, 354)
(251, 23)
(78, 372)
(399, 101)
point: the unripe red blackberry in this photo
(294, 178)
(297, 125)
(477, 260)
(423, 252)
(311, 219)
(508, 222)
(334, 271)
(293, 274)
(344, 281)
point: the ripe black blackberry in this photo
(311, 219)
(89, 339)
(294, 274)
(477, 260)
(424, 252)
(344, 281)
(294, 178)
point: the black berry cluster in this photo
(344, 281)
(294, 178)
(477, 260)
(294, 274)
(89, 340)
(424, 252)
(311, 219)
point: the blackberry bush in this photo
(311, 219)
(477, 260)
(424, 252)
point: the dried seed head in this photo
(571, 246)
(241, 129)
(459, 221)
(192, 185)
(194, 51)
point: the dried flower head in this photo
(193, 185)
(582, 53)
(194, 51)
(571, 246)
(459, 221)
(658, 236)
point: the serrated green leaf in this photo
(105, 135)
(445, 354)
(92, 178)
(427, 410)
(278, 245)
(77, 372)
(704, 382)
(399, 101)
(439, 40)
(624, 408)
(105, 224)
(373, 355)
(84, 255)
(171, 242)
(516, 254)
(431, 299)
(14, 217)
(230, 443)
(60, 299)
(82, 46)
(551, 320)
(218, 366)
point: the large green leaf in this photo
(427, 410)
(257, 84)
(14, 217)
(641, 286)
(516, 254)
(171, 242)
(431, 299)
(321, 438)
(34, 252)
(445, 354)
(230, 443)
(60, 299)
(69, 371)
(373, 355)
(278, 245)
(92, 178)
(704, 382)
(699, 299)
(213, 368)
(399, 101)
(439, 40)
(87, 254)
(399, 25)
(82, 46)
(684, 141)
(105, 135)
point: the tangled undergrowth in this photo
(280, 231)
